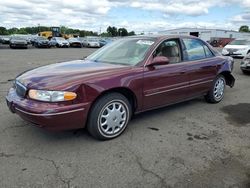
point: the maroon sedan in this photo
(128, 76)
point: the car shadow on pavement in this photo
(84, 136)
(166, 109)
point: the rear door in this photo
(202, 66)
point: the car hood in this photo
(72, 41)
(68, 74)
(93, 42)
(43, 41)
(18, 40)
(236, 46)
(62, 41)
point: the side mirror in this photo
(159, 60)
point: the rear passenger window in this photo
(194, 50)
(208, 51)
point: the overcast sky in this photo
(137, 15)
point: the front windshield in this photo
(60, 38)
(240, 42)
(41, 38)
(73, 39)
(17, 38)
(124, 51)
(93, 40)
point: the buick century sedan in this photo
(128, 76)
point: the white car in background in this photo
(237, 48)
(59, 42)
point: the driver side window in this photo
(169, 49)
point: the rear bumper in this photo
(50, 116)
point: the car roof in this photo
(156, 36)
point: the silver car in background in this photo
(18, 42)
(59, 42)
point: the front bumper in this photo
(43, 45)
(245, 68)
(238, 53)
(63, 45)
(76, 45)
(14, 45)
(51, 116)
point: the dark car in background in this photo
(129, 76)
(18, 42)
(104, 42)
(41, 42)
(75, 42)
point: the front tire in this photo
(109, 116)
(245, 72)
(216, 94)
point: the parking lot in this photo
(192, 144)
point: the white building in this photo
(207, 34)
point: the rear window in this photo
(196, 50)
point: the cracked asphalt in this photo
(193, 144)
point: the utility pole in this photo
(39, 28)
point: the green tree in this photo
(64, 29)
(112, 31)
(122, 32)
(3, 31)
(22, 31)
(244, 28)
(105, 34)
(13, 30)
(131, 33)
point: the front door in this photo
(165, 84)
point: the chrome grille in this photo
(232, 50)
(21, 90)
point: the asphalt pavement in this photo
(192, 144)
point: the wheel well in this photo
(229, 78)
(124, 91)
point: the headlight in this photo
(224, 51)
(51, 96)
(243, 49)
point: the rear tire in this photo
(109, 116)
(216, 93)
